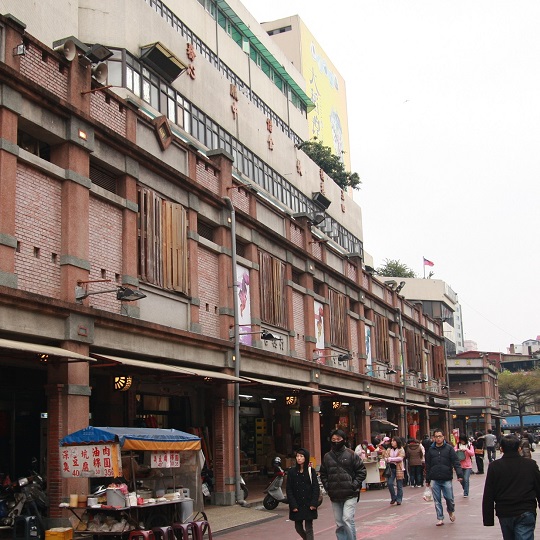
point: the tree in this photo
(330, 163)
(521, 390)
(395, 268)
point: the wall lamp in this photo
(444, 387)
(400, 286)
(122, 293)
(340, 357)
(19, 50)
(387, 371)
(391, 284)
(423, 380)
(266, 335)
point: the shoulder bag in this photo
(320, 499)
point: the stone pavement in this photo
(374, 517)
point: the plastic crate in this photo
(59, 533)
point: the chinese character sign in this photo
(97, 460)
(165, 459)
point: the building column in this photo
(68, 396)
(311, 425)
(10, 103)
(223, 465)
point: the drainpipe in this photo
(238, 488)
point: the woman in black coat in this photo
(302, 495)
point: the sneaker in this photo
(452, 516)
(392, 502)
(439, 523)
(465, 496)
(399, 504)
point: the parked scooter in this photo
(274, 493)
(25, 497)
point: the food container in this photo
(82, 501)
(144, 493)
(116, 498)
(74, 500)
(59, 533)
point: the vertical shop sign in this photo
(244, 303)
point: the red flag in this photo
(428, 263)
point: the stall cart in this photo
(171, 493)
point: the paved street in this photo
(414, 519)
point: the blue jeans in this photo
(391, 481)
(344, 517)
(519, 527)
(466, 477)
(443, 487)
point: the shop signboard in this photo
(165, 459)
(89, 461)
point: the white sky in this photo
(444, 123)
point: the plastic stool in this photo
(184, 531)
(25, 528)
(140, 534)
(202, 527)
(163, 533)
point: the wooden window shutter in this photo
(382, 338)
(338, 319)
(273, 290)
(150, 237)
(175, 259)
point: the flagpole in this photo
(424, 265)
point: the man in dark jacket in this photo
(513, 486)
(441, 458)
(342, 473)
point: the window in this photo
(382, 339)
(273, 290)
(162, 242)
(338, 319)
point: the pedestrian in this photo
(525, 448)
(479, 443)
(513, 488)
(465, 453)
(415, 456)
(440, 460)
(394, 457)
(342, 473)
(302, 495)
(491, 441)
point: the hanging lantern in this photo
(336, 404)
(122, 383)
(291, 400)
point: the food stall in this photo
(165, 487)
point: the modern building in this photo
(170, 258)
(528, 347)
(439, 302)
(328, 122)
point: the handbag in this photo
(460, 455)
(387, 471)
(479, 451)
(320, 499)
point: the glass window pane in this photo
(115, 73)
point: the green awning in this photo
(265, 53)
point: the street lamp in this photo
(403, 370)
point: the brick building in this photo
(108, 190)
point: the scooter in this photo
(274, 493)
(26, 497)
